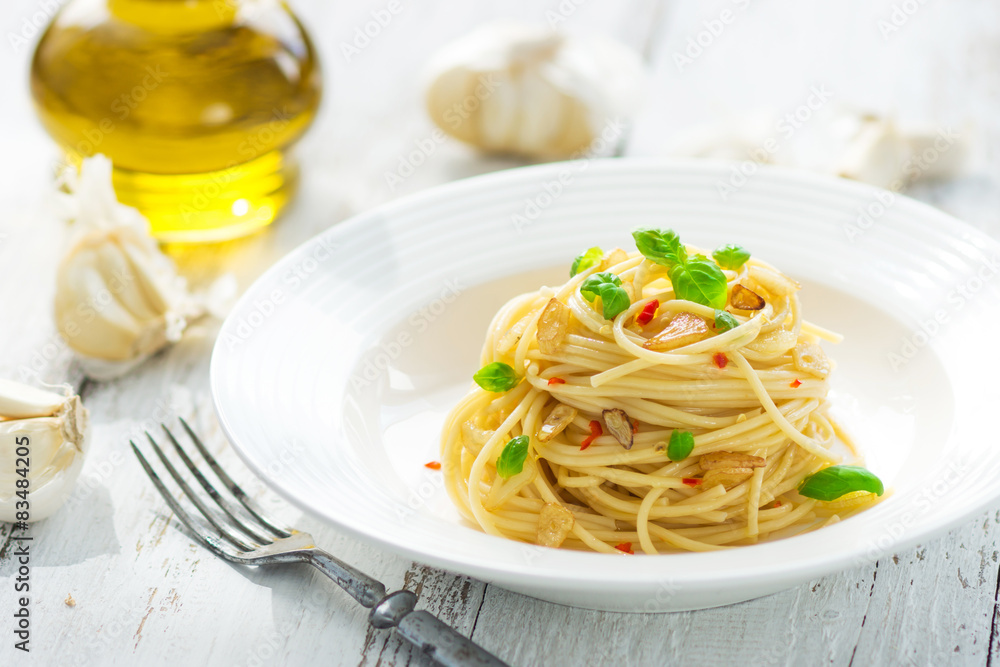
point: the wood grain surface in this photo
(146, 595)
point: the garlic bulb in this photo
(521, 89)
(882, 153)
(42, 439)
(118, 297)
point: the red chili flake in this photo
(595, 430)
(691, 481)
(720, 359)
(433, 465)
(625, 547)
(553, 381)
(645, 315)
(635, 427)
(794, 384)
(777, 503)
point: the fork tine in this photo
(234, 488)
(189, 492)
(196, 528)
(210, 490)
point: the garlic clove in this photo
(52, 427)
(118, 298)
(20, 401)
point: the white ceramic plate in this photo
(333, 374)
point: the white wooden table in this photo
(146, 595)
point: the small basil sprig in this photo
(731, 256)
(607, 286)
(586, 260)
(724, 321)
(696, 279)
(699, 280)
(663, 247)
(497, 377)
(680, 446)
(836, 481)
(511, 460)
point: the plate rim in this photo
(787, 570)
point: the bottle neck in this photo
(176, 16)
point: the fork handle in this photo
(443, 644)
(360, 586)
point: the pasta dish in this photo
(660, 400)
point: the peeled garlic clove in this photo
(43, 441)
(514, 88)
(620, 426)
(683, 329)
(118, 299)
(554, 524)
(553, 327)
(557, 421)
(810, 358)
(742, 298)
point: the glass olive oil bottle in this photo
(196, 102)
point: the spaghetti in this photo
(675, 424)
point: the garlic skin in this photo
(514, 88)
(118, 298)
(55, 426)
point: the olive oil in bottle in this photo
(196, 102)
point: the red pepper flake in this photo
(645, 315)
(794, 384)
(691, 481)
(635, 427)
(625, 547)
(433, 465)
(553, 381)
(595, 430)
(777, 503)
(720, 359)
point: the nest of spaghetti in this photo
(658, 401)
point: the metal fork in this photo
(250, 537)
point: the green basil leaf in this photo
(496, 377)
(606, 285)
(833, 482)
(681, 445)
(724, 321)
(615, 301)
(701, 281)
(586, 260)
(511, 460)
(592, 286)
(731, 256)
(661, 246)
